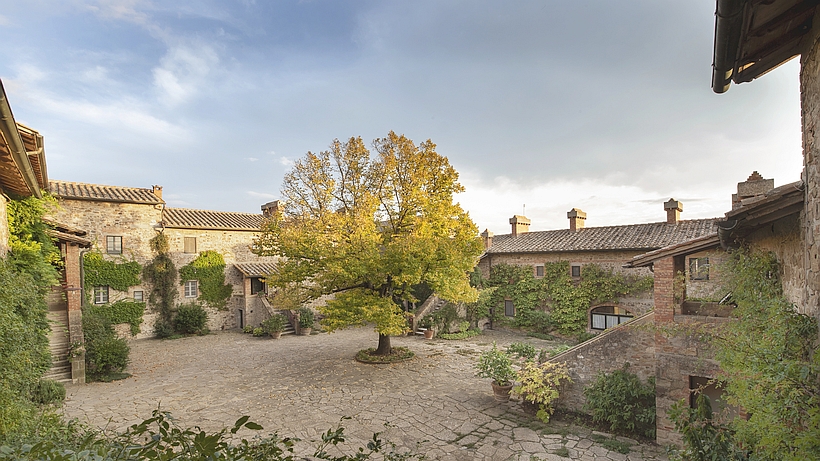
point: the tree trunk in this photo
(384, 345)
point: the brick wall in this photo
(631, 342)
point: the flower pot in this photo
(305, 331)
(428, 334)
(501, 393)
(275, 334)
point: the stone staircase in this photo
(432, 304)
(59, 345)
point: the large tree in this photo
(366, 228)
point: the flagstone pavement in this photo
(302, 386)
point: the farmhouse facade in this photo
(120, 222)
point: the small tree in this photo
(369, 229)
(162, 274)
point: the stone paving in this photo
(302, 386)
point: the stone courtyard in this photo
(302, 386)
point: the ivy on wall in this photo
(31, 249)
(162, 275)
(209, 269)
(566, 299)
(123, 311)
(117, 275)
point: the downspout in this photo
(728, 23)
(18, 151)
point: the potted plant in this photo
(305, 321)
(498, 366)
(426, 323)
(274, 325)
(540, 386)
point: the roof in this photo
(684, 248)
(256, 269)
(183, 218)
(22, 157)
(641, 237)
(754, 37)
(69, 237)
(102, 193)
(762, 210)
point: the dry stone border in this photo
(301, 386)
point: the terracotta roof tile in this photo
(256, 269)
(628, 237)
(98, 192)
(183, 218)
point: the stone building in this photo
(609, 247)
(686, 296)
(120, 222)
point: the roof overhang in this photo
(22, 163)
(753, 37)
(707, 242)
(761, 211)
(256, 269)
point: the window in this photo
(101, 295)
(699, 269)
(509, 309)
(605, 317)
(257, 285)
(539, 271)
(138, 296)
(575, 270)
(191, 289)
(113, 244)
(190, 245)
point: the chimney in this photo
(576, 219)
(520, 225)
(270, 208)
(753, 186)
(673, 209)
(157, 190)
(487, 236)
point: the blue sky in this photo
(541, 106)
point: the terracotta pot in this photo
(428, 334)
(501, 393)
(275, 334)
(305, 331)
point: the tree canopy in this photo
(366, 227)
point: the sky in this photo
(541, 106)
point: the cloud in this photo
(183, 71)
(251, 159)
(286, 161)
(261, 195)
(128, 10)
(4, 21)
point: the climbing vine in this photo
(161, 273)
(122, 311)
(101, 272)
(565, 299)
(209, 269)
(31, 249)
(771, 361)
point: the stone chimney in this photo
(755, 185)
(157, 190)
(270, 208)
(520, 225)
(673, 209)
(576, 219)
(487, 237)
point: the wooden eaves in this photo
(753, 37)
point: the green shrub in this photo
(583, 336)
(247, 329)
(48, 391)
(162, 328)
(275, 323)
(105, 353)
(704, 439)
(522, 350)
(306, 317)
(258, 332)
(461, 335)
(623, 401)
(191, 319)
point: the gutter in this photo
(18, 151)
(728, 23)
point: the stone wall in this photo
(632, 343)
(810, 104)
(607, 259)
(4, 227)
(706, 289)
